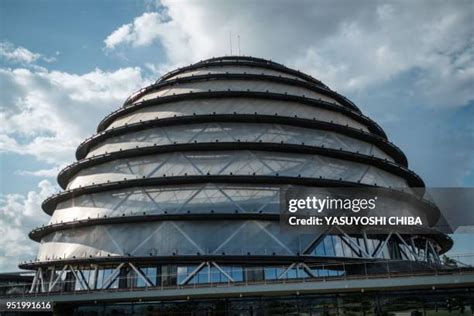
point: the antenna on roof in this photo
(230, 42)
(238, 37)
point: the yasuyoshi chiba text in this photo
(355, 220)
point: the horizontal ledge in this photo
(248, 77)
(345, 130)
(40, 232)
(372, 126)
(218, 258)
(412, 179)
(50, 203)
(242, 61)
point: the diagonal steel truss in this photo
(48, 279)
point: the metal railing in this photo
(251, 276)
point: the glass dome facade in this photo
(181, 185)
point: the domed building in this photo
(180, 189)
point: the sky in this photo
(64, 65)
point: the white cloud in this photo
(18, 215)
(142, 32)
(21, 55)
(46, 114)
(119, 36)
(352, 46)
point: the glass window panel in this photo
(217, 276)
(271, 273)
(337, 246)
(320, 249)
(237, 274)
(292, 274)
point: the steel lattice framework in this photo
(186, 177)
